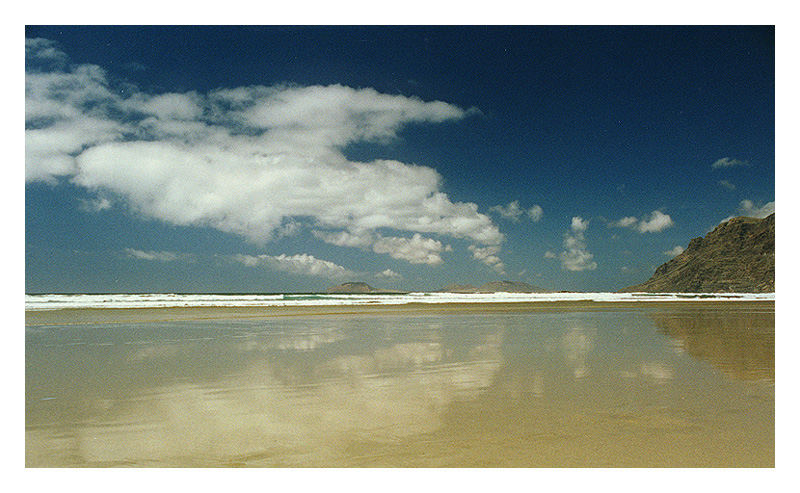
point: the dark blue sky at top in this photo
(597, 122)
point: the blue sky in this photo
(267, 159)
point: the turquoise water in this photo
(677, 385)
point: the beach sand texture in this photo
(501, 385)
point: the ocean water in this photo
(60, 301)
(679, 384)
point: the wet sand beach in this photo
(68, 316)
(566, 384)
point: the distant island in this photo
(738, 256)
(494, 287)
(359, 288)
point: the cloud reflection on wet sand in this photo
(471, 390)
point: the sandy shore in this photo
(71, 316)
(562, 384)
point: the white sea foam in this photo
(61, 301)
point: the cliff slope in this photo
(738, 256)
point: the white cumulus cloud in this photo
(727, 162)
(513, 211)
(674, 251)
(251, 161)
(388, 274)
(748, 208)
(45, 51)
(535, 213)
(96, 204)
(415, 250)
(655, 222)
(658, 221)
(579, 225)
(152, 255)
(346, 239)
(488, 255)
(575, 256)
(626, 222)
(301, 264)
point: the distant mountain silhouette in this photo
(738, 256)
(458, 288)
(357, 288)
(494, 287)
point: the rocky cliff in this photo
(738, 256)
